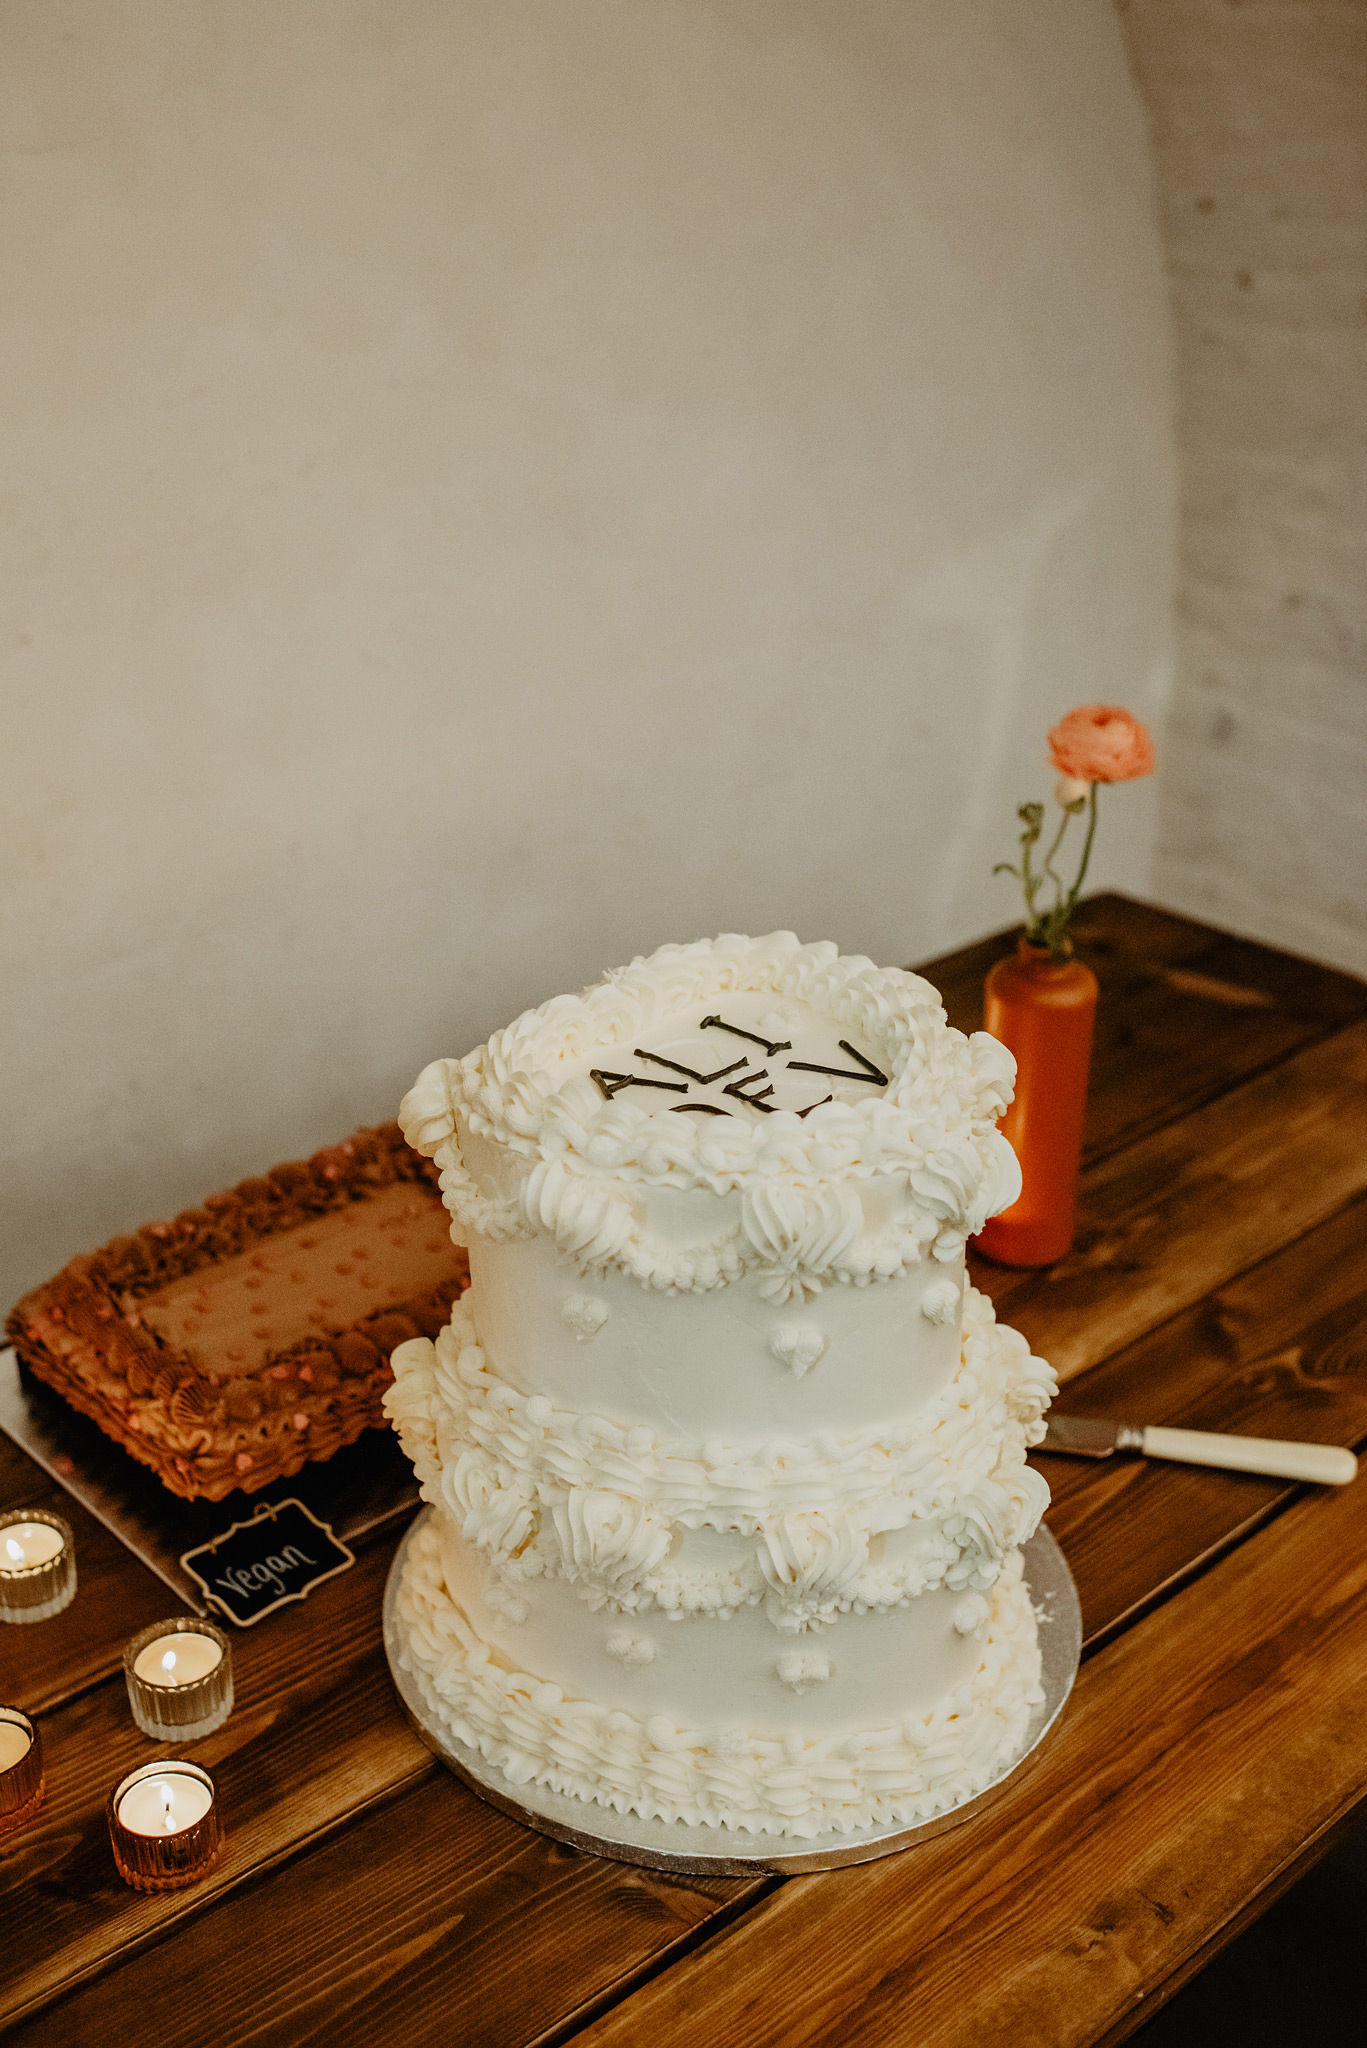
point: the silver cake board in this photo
(364, 1488)
(666, 1845)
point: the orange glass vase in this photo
(1043, 1011)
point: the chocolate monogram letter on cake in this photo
(727, 1463)
(245, 1338)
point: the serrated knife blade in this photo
(1087, 1436)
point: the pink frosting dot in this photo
(243, 1461)
(300, 1420)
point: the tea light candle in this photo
(21, 1770)
(164, 1804)
(164, 1827)
(180, 1679)
(29, 1543)
(37, 1565)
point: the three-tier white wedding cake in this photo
(728, 1464)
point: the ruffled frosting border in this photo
(542, 1491)
(579, 1160)
(726, 1778)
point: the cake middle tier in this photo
(807, 1527)
(729, 1357)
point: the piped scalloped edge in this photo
(544, 1492)
(579, 1163)
(526, 1728)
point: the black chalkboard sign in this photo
(281, 1554)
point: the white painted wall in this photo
(1260, 126)
(490, 488)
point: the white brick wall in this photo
(1259, 114)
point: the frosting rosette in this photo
(545, 1491)
(605, 1536)
(531, 1134)
(726, 1461)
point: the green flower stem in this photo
(1050, 927)
(1086, 851)
(1063, 825)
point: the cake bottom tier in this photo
(798, 1771)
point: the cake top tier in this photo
(731, 1066)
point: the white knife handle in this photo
(1324, 1463)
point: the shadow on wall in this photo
(493, 489)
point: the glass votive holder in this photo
(37, 1565)
(164, 1827)
(21, 1770)
(180, 1679)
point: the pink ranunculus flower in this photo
(1101, 743)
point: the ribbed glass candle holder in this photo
(164, 1826)
(37, 1565)
(180, 1679)
(21, 1770)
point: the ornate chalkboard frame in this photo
(260, 1564)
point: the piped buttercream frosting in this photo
(727, 1463)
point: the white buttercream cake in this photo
(727, 1462)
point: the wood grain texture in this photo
(1281, 1349)
(1185, 1012)
(42, 1663)
(1201, 1752)
(431, 1919)
(315, 1734)
(316, 1743)
(1169, 1218)
(1278, 1351)
(1220, 1281)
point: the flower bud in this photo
(1070, 790)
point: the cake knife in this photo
(1083, 1436)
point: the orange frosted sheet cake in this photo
(231, 1346)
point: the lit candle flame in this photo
(168, 1662)
(14, 1550)
(168, 1803)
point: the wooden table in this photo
(1215, 1742)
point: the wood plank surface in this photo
(316, 1743)
(1176, 1214)
(1201, 1752)
(314, 1734)
(22, 1483)
(430, 1919)
(1220, 1280)
(1185, 1011)
(1281, 1350)
(42, 1663)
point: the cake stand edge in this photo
(672, 1845)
